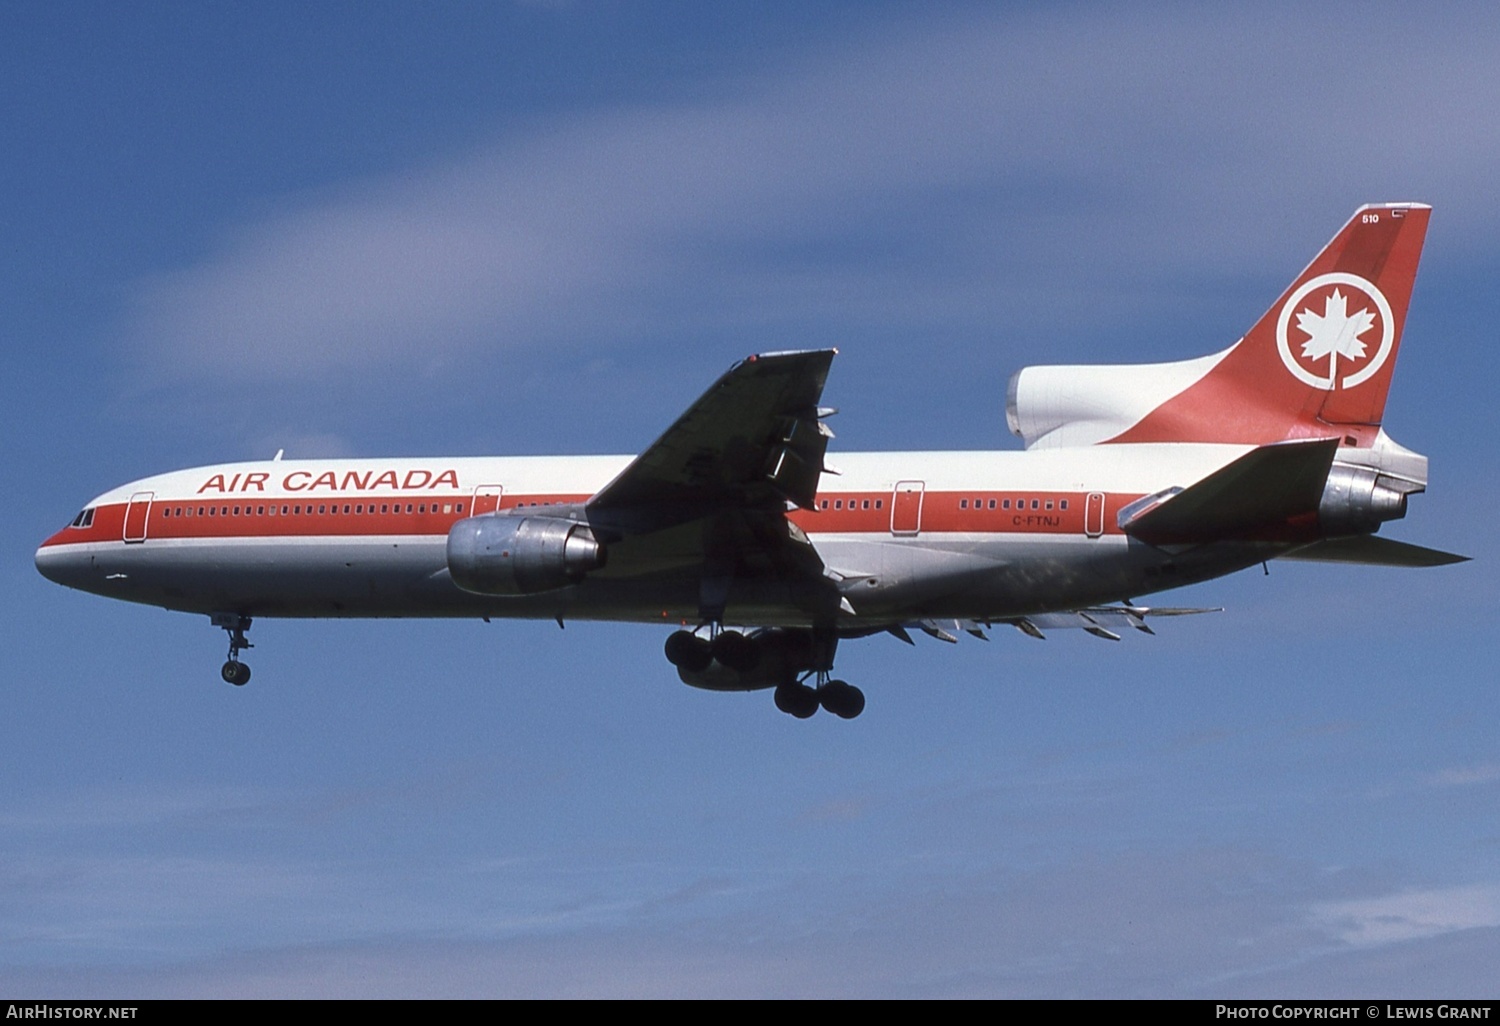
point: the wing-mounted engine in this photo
(511, 555)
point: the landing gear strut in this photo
(234, 672)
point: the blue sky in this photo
(544, 228)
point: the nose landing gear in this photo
(233, 671)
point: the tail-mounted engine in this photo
(1357, 500)
(508, 555)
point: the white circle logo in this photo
(1343, 326)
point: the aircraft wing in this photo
(714, 488)
(754, 440)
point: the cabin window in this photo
(992, 504)
(963, 503)
(865, 504)
(1035, 503)
(1049, 503)
(461, 506)
(1063, 504)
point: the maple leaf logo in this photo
(1335, 332)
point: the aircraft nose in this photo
(63, 564)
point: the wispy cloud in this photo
(1145, 924)
(1412, 915)
(1465, 776)
(1191, 144)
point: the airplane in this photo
(733, 529)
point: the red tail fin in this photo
(1319, 362)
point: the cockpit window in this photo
(84, 519)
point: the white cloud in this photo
(1464, 776)
(1411, 915)
(978, 153)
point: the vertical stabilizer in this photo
(1319, 362)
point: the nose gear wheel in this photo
(233, 671)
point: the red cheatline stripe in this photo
(1029, 512)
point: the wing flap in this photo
(1100, 621)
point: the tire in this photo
(736, 651)
(843, 700)
(686, 651)
(797, 700)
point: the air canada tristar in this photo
(731, 528)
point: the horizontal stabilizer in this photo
(1373, 551)
(1262, 489)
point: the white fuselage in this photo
(905, 535)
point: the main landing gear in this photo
(234, 672)
(842, 699)
(779, 658)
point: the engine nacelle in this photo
(1357, 500)
(508, 555)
